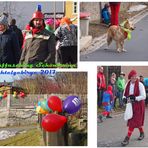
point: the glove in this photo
(132, 98)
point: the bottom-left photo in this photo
(43, 110)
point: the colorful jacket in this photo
(120, 84)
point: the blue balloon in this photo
(39, 103)
(72, 104)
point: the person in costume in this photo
(136, 92)
(66, 34)
(107, 101)
(39, 43)
(115, 8)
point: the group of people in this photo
(134, 90)
(36, 44)
(115, 86)
(113, 17)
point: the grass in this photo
(30, 138)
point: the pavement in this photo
(85, 41)
(136, 47)
(111, 132)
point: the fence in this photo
(31, 100)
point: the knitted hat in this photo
(4, 20)
(132, 73)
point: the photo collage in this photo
(73, 73)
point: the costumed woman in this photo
(136, 92)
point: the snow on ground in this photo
(4, 134)
(136, 8)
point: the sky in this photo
(7, 78)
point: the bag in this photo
(128, 112)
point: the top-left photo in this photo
(38, 34)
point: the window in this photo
(74, 7)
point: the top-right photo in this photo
(113, 31)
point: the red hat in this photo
(38, 14)
(132, 73)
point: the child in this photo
(107, 100)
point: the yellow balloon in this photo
(38, 109)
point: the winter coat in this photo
(39, 47)
(101, 84)
(120, 84)
(18, 33)
(9, 47)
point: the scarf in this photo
(36, 30)
(136, 89)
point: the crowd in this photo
(110, 94)
(38, 41)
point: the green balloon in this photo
(45, 106)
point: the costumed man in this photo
(115, 8)
(136, 92)
(39, 43)
(101, 85)
(107, 101)
(66, 34)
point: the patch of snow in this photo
(4, 134)
(136, 8)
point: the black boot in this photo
(141, 136)
(125, 141)
(108, 116)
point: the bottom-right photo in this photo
(122, 100)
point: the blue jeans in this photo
(120, 95)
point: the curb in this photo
(100, 41)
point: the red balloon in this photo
(22, 94)
(5, 95)
(53, 122)
(55, 103)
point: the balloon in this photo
(44, 105)
(39, 103)
(14, 95)
(53, 122)
(5, 94)
(42, 111)
(1, 96)
(39, 110)
(22, 94)
(55, 103)
(72, 104)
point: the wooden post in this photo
(55, 138)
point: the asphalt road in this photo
(137, 47)
(112, 132)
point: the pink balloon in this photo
(55, 103)
(53, 122)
